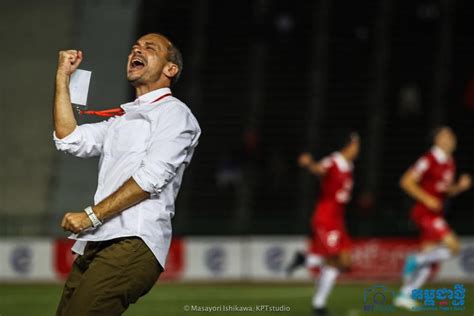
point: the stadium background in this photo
(266, 80)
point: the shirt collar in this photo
(342, 162)
(151, 96)
(439, 154)
(146, 98)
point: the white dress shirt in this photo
(152, 142)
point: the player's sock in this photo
(419, 278)
(326, 282)
(434, 255)
(313, 261)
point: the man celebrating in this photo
(124, 238)
(330, 246)
(429, 181)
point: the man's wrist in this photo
(93, 217)
(62, 77)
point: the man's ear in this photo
(170, 70)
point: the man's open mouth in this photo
(137, 63)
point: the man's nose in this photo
(137, 50)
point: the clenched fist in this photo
(68, 61)
(305, 159)
(464, 182)
(76, 222)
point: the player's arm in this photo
(129, 194)
(464, 183)
(81, 141)
(305, 160)
(63, 115)
(409, 184)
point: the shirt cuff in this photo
(152, 184)
(71, 138)
(145, 185)
(65, 142)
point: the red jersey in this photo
(435, 173)
(336, 189)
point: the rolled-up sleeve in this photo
(85, 141)
(173, 139)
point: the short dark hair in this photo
(175, 56)
(345, 137)
(438, 129)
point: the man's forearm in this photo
(409, 184)
(63, 115)
(416, 192)
(316, 168)
(454, 190)
(129, 194)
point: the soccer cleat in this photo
(410, 267)
(405, 302)
(298, 261)
(320, 312)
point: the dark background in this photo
(269, 79)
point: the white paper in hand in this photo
(79, 86)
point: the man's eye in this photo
(150, 48)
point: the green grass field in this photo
(170, 299)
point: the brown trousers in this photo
(109, 277)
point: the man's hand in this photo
(305, 159)
(464, 182)
(76, 222)
(432, 203)
(129, 194)
(68, 61)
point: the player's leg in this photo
(451, 242)
(444, 250)
(431, 256)
(300, 259)
(72, 282)
(118, 276)
(418, 278)
(324, 286)
(411, 263)
(439, 244)
(312, 258)
(336, 243)
(413, 275)
(345, 260)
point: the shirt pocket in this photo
(131, 135)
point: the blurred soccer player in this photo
(429, 181)
(330, 245)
